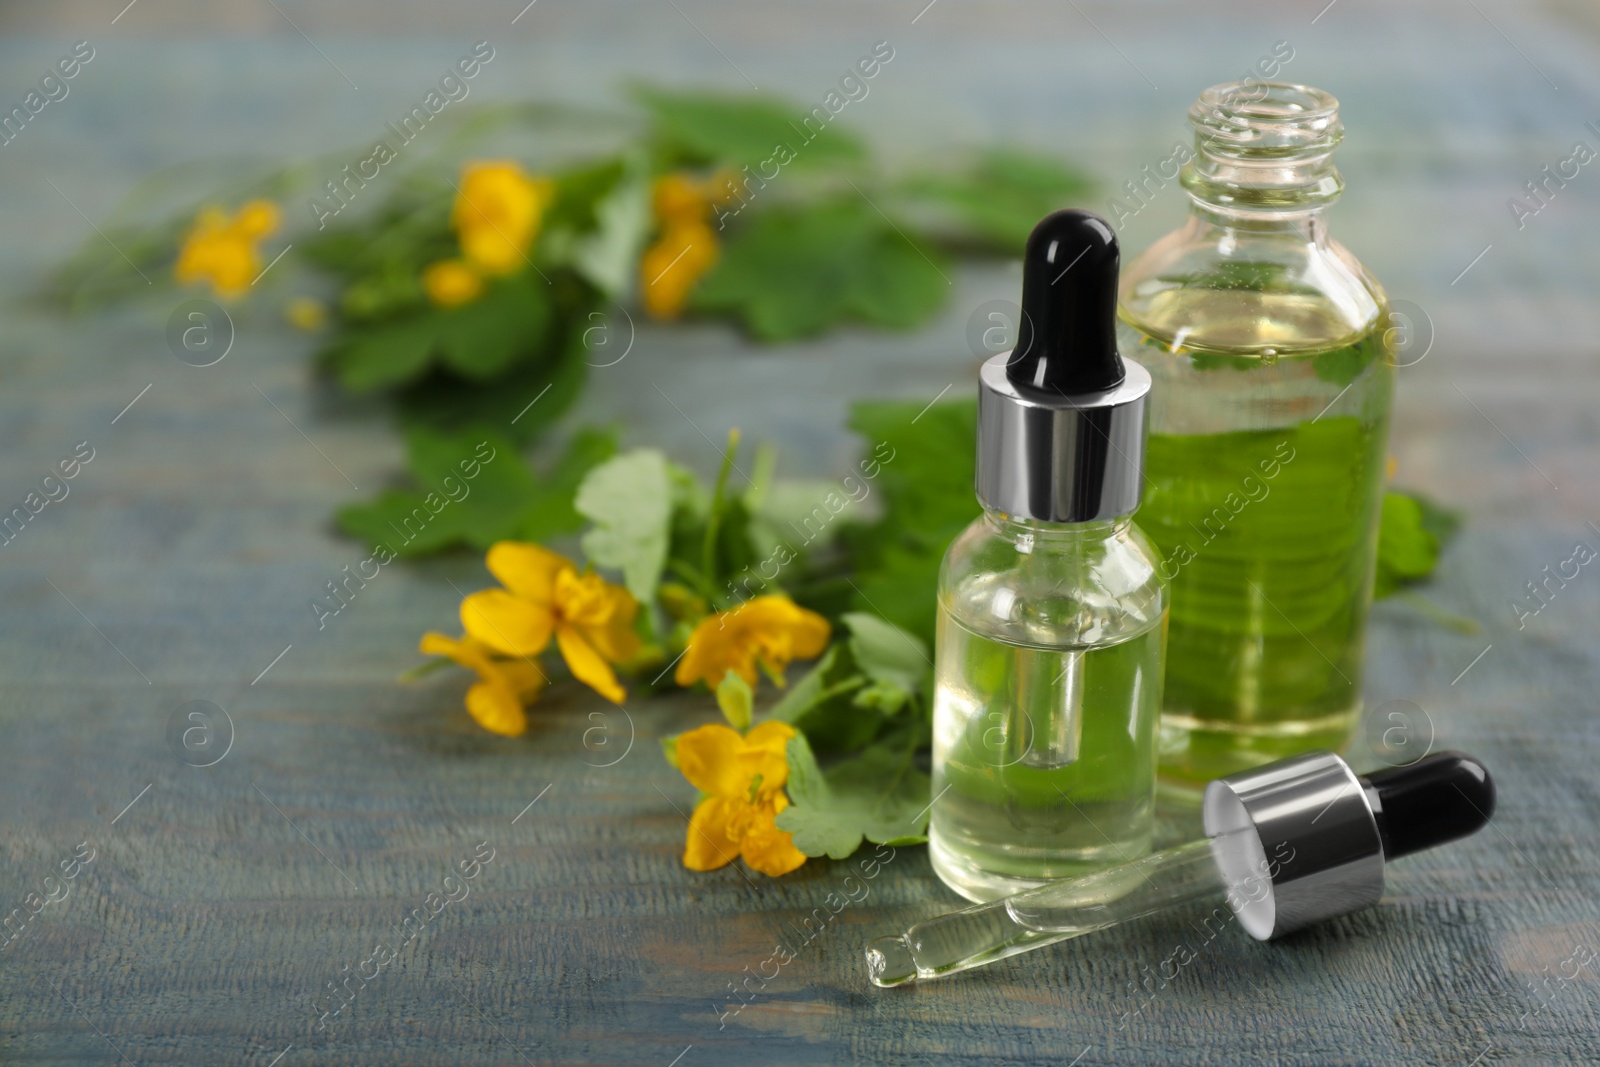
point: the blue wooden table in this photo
(214, 910)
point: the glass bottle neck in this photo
(1263, 159)
(1019, 529)
(1217, 225)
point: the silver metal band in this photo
(1059, 458)
(1316, 851)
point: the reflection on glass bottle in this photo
(1269, 419)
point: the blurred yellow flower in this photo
(306, 313)
(497, 211)
(545, 596)
(682, 198)
(743, 779)
(504, 688)
(686, 247)
(451, 282)
(672, 266)
(768, 631)
(221, 249)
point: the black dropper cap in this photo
(1439, 798)
(1068, 339)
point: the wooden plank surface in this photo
(222, 901)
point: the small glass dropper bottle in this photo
(1288, 844)
(1051, 607)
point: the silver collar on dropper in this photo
(1061, 417)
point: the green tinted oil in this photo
(1268, 537)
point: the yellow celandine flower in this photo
(682, 198)
(672, 266)
(221, 248)
(451, 282)
(545, 596)
(743, 779)
(768, 631)
(505, 686)
(497, 213)
(686, 247)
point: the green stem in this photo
(1434, 613)
(687, 573)
(422, 670)
(708, 548)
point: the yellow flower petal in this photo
(709, 844)
(526, 569)
(603, 613)
(765, 847)
(256, 219)
(709, 757)
(496, 709)
(466, 651)
(679, 198)
(587, 665)
(670, 268)
(504, 686)
(524, 676)
(772, 630)
(766, 753)
(809, 633)
(507, 623)
(221, 250)
(616, 640)
(497, 213)
(451, 282)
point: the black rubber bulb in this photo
(1067, 343)
(1439, 798)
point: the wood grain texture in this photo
(220, 906)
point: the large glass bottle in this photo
(1269, 416)
(1051, 607)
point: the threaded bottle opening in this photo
(1264, 145)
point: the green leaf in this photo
(1341, 366)
(795, 271)
(524, 402)
(878, 795)
(551, 511)
(1000, 199)
(736, 699)
(820, 704)
(928, 463)
(454, 506)
(808, 692)
(899, 286)
(428, 519)
(579, 194)
(1442, 522)
(708, 128)
(926, 468)
(609, 256)
(380, 357)
(1407, 551)
(901, 585)
(629, 500)
(510, 322)
(887, 654)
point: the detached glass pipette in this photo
(1287, 845)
